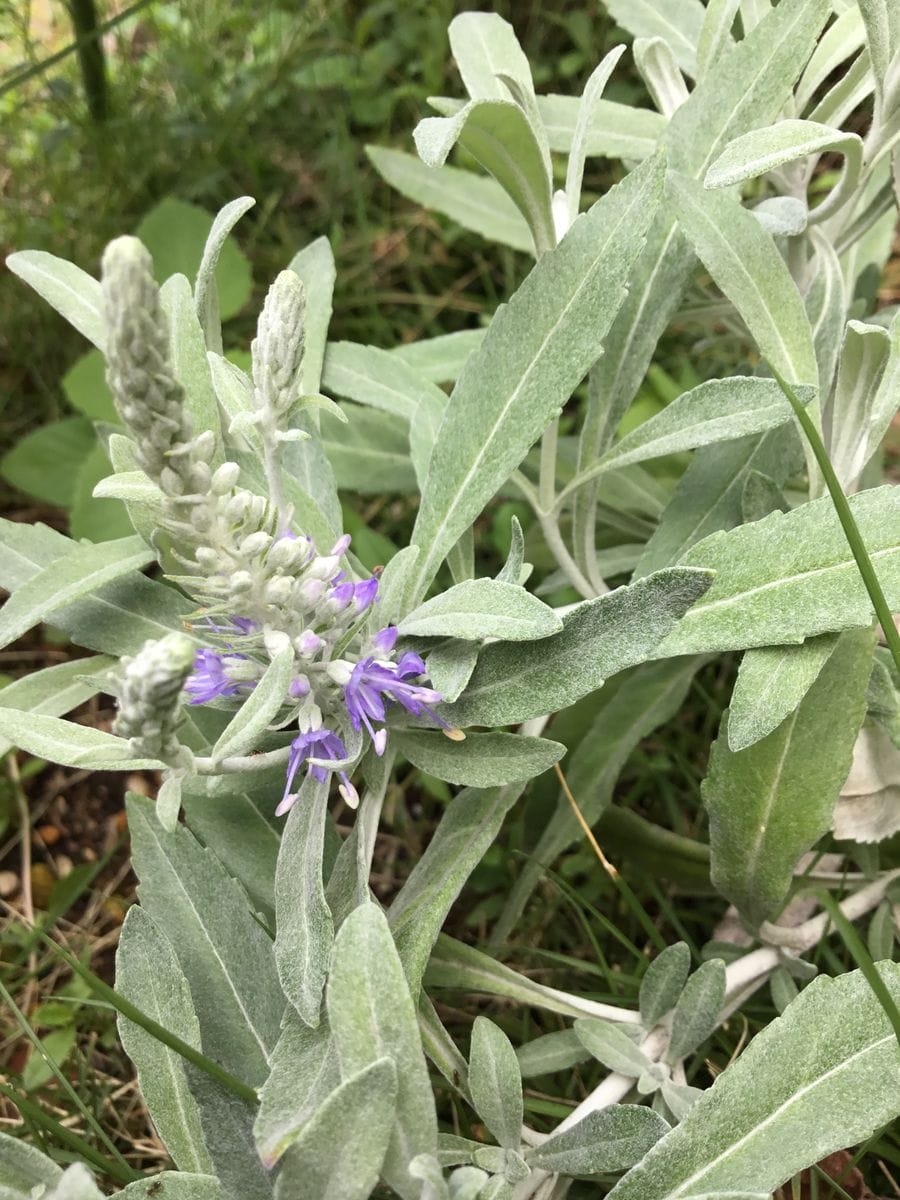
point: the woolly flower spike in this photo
(376, 681)
(278, 346)
(319, 744)
(149, 691)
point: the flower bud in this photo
(224, 478)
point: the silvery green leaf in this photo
(227, 1122)
(627, 709)
(75, 1183)
(303, 923)
(148, 974)
(450, 665)
(696, 1012)
(770, 803)
(468, 827)
(206, 294)
(485, 46)
(719, 410)
(117, 619)
(715, 40)
(466, 1183)
(168, 798)
(500, 134)
(882, 34)
(482, 608)
(440, 1047)
(224, 953)
(23, 1167)
(884, 406)
(610, 1140)
(511, 571)
(614, 130)
(782, 1104)
(551, 1052)
(372, 1015)
(651, 1080)
(838, 43)
(789, 576)
(308, 513)
(782, 216)
(69, 744)
(535, 352)
(132, 486)
(513, 682)
(783, 988)
(745, 263)
(764, 150)
(590, 97)
(84, 569)
(187, 349)
(663, 983)
(234, 391)
(853, 87)
(427, 1167)
(394, 585)
(440, 359)
(304, 1073)
(771, 682)
(657, 67)
(483, 760)
(473, 201)
(709, 495)
(881, 933)
(497, 1188)
(612, 1046)
(72, 292)
(678, 22)
(376, 378)
(54, 691)
(173, 1185)
(508, 1163)
(680, 1099)
(847, 417)
(370, 455)
(308, 464)
(495, 1083)
(258, 711)
(339, 1152)
(315, 266)
(244, 834)
(461, 557)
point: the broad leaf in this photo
(483, 760)
(69, 744)
(482, 608)
(23, 1167)
(790, 576)
(610, 1140)
(44, 463)
(696, 1013)
(224, 953)
(372, 1015)
(495, 1082)
(677, 22)
(227, 1124)
(303, 923)
(54, 691)
(663, 983)
(783, 1104)
(536, 350)
(551, 1052)
(484, 46)
(450, 665)
(148, 974)
(244, 834)
(513, 682)
(173, 1185)
(771, 682)
(612, 1046)
(770, 803)
(614, 130)
(370, 454)
(304, 1073)
(441, 358)
(324, 1161)
(72, 292)
(376, 378)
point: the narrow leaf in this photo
(315, 266)
(663, 983)
(697, 1011)
(69, 744)
(304, 1073)
(483, 760)
(481, 608)
(612, 1046)
(206, 294)
(72, 292)
(496, 1082)
(771, 682)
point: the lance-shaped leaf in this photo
(227, 1122)
(84, 569)
(484, 47)
(697, 1010)
(551, 1052)
(315, 266)
(450, 665)
(783, 1105)
(496, 1083)
(148, 974)
(206, 293)
(54, 691)
(537, 349)
(223, 951)
(370, 454)
(715, 38)
(658, 68)
(840, 42)
(663, 983)
(72, 292)
(770, 803)
(677, 22)
(744, 261)
(790, 576)
(25, 1168)
(513, 682)
(304, 928)
(764, 150)
(325, 1161)
(613, 130)
(468, 827)
(243, 731)
(304, 1073)
(590, 98)
(376, 378)
(70, 744)
(244, 834)
(173, 1185)
(474, 201)
(771, 682)
(848, 415)
(440, 358)
(372, 1016)
(611, 1140)
(187, 349)
(482, 608)
(483, 760)
(612, 1046)
(501, 136)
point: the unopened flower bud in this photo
(241, 581)
(279, 590)
(224, 478)
(150, 685)
(203, 446)
(255, 544)
(323, 567)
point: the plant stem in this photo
(847, 520)
(91, 58)
(554, 538)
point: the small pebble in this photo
(9, 884)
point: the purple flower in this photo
(374, 682)
(316, 743)
(209, 680)
(364, 593)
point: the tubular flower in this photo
(319, 744)
(376, 682)
(210, 680)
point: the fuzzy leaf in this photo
(441, 358)
(242, 733)
(696, 1013)
(483, 760)
(304, 1073)
(610, 1140)
(72, 292)
(663, 983)
(495, 1083)
(315, 266)
(206, 292)
(612, 1046)
(54, 691)
(23, 1167)
(481, 608)
(69, 744)
(771, 682)
(173, 1185)
(187, 349)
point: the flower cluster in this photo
(343, 681)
